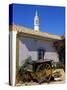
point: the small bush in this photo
(58, 65)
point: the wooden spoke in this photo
(45, 72)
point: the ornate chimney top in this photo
(36, 22)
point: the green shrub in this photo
(58, 65)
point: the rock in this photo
(58, 74)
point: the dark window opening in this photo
(41, 54)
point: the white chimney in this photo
(36, 22)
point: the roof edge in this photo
(31, 31)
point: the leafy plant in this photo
(58, 65)
(26, 65)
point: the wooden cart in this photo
(41, 72)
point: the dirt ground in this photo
(61, 80)
(34, 83)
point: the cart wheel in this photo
(44, 72)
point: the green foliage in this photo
(26, 64)
(58, 65)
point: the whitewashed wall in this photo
(28, 48)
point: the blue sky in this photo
(52, 18)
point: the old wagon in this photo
(41, 71)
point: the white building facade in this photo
(36, 49)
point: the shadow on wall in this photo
(34, 44)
